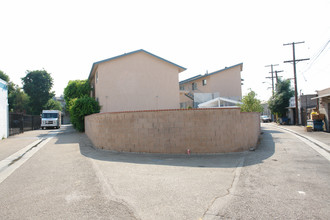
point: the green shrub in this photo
(80, 108)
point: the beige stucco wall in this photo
(227, 83)
(174, 131)
(184, 99)
(137, 81)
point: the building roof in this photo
(214, 102)
(322, 96)
(136, 51)
(208, 74)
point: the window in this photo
(204, 82)
(97, 76)
(181, 87)
(194, 86)
(49, 115)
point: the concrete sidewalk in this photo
(14, 143)
(321, 136)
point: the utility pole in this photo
(294, 61)
(271, 67)
(276, 77)
(277, 71)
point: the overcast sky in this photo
(66, 37)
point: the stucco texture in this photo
(138, 81)
(175, 131)
(226, 82)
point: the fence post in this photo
(22, 123)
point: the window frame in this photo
(194, 86)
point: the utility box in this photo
(318, 125)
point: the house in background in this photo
(306, 103)
(65, 116)
(4, 114)
(138, 80)
(224, 83)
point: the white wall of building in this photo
(4, 117)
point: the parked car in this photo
(265, 118)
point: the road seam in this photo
(213, 211)
(14, 161)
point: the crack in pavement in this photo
(110, 192)
(18, 158)
(219, 202)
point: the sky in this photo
(66, 37)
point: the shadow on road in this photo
(265, 149)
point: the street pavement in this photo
(64, 177)
(57, 182)
(292, 182)
(68, 179)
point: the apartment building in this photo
(224, 84)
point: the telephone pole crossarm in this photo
(271, 67)
(294, 61)
(291, 61)
(301, 42)
(276, 76)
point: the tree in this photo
(53, 105)
(6, 78)
(251, 103)
(281, 99)
(76, 89)
(80, 108)
(19, 101)
(37, 84)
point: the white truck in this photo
(51, 119)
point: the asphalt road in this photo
(57, 182)
(64, 177)
(291, 182)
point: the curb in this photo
(314, 141)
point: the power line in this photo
(316, 56)
(294, 61)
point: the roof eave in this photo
(239, 64)
(180, 68)
(201, 76)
